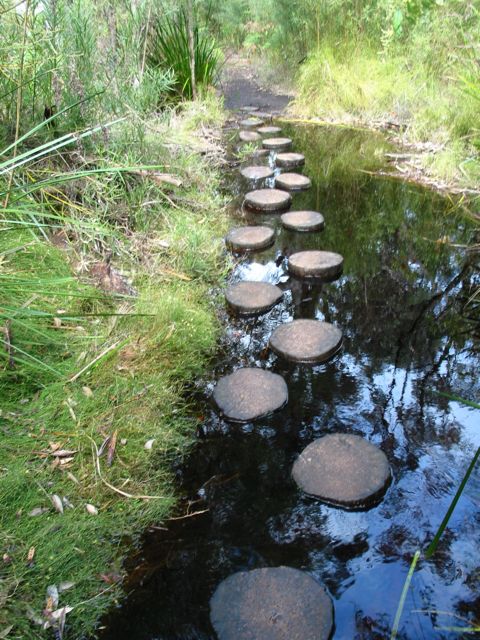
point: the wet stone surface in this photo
(252, 298)
(250, 238)
(277, 144)
(293, 182)
(271, 604)
(269, 130)
(268, 200)
(290, 160)
(325, 265)
(249, 394)
(303, 221)
(249, 136)
(343, 470)
(306, 341)
(250, 123)
(257, 173)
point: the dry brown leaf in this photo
(87, 392)
(72, 477)
(57, 323)
(64, 453)
(111, 448)
(31, 554)
(38, 511)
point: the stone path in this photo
(340, 469)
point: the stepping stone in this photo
(268, 130)
(293, 182)
(306, 341)
(250, 238)
(343, 470)
(277, 144)
(249, 394)
(249, 109)
(268, 200)
(251, 123)
(278, 603)
(257, 173)
(253, 298)
(260, 153)
(290, 160)
(303, 221)
(264, 115)
(249, 136)
(325, 265)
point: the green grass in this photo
(139, 355)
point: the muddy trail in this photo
(326, 455)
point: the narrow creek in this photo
(407, 334)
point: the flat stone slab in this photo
(343, 470)
(306, 341)
(264, 115)
(249, 394)
(269, 130)
(250, 238)
(252, 298)
(293, 182)
(303, 221)
(278, 603)
(290, 160)
(277, 144)
(257, 173)
(250, 123)
(325, 265)
(249, 108)
(268, 200)
(249, 136)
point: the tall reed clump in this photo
(169, 50)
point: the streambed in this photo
(401, 304)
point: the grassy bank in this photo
(107, 322)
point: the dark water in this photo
(409, 333)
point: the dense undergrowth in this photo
(110, 243)
(410, 64)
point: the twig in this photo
(190, 515)
(111, 486)
(94, 361)
(8, 344)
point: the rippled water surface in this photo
(408, 335)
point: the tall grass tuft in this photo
(168, 50)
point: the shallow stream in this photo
(408, 334)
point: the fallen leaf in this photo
(38, 511)
(72, 477)
(57, 503)
(52, 598)
(65, 586)
(93, 511)
(111, 448)
(57, 323)
(149, 444)
(110, 578)
(6, 558)
(4, 633)
(87, 392)
(123, 441)
(31, 554)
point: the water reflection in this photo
(401, 306)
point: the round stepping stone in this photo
(343, 470)
(303, 221)
(250, 123)
(324, 265)
(293, 181)
(249, 108)
(278, 603)
(260, 153)
(264, 115)
(268, 130)
(257, 173)
(253, 298)
(268, 200)
(277, 144)
(306, 341)
(249, 394)
(249, 136)
(290, 160)
(250, 238)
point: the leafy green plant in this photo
(168, 49)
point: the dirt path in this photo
(241, 87)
